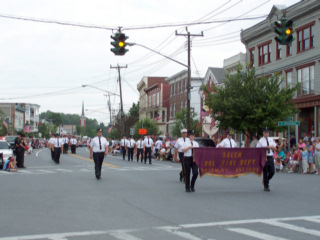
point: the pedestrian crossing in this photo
(266, 229)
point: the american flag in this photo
(5, 124)
(27, 128)
(204, 113)
(212, 124)
(110, 128)
(158, 117)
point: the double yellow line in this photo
(88, 159)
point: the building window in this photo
(289, 49)
(170, 89)
(278, 52)
(186, 83)
(174, 110)
(264, 53)
(174, 89)
(289, 79)
(149, 102)
(182, 84)
(305, 35)
(251, 52)
(163, 115)
(158, 98)
(306, 80)
(153, 99)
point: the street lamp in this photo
(111, 93)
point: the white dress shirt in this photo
(158, 144)
(130, 143)
(228, 143)
(139, 144)
(148, 142)
(96, 145)
(188, 153)
(73, 141)
(181, 143)
(58, 142)
(51, 140)
(263, 143)
(123, 142)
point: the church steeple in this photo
(82, 118)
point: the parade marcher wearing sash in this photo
(73, 142)
(180, 143)
(189, 163)
(268, 170)
(139, 146)
(98, 149)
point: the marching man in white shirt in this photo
(189, 164)
(179, 145)
(73, 142)
(268, 170)
(57, 148)
(147, 148)
(139, 146)
(123, 146)
(98, 149)
(228, 142)
(130, 146)
(65, 144)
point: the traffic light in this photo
(119, 44)
(284, 30)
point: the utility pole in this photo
(188, 35)
(121, 107)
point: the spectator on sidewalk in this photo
(304, 157)
(310, 156)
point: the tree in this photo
(134, 110)
(3, 130)
(150, 125)
(46, 128)
(248, 103)
(180, 122)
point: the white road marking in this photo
(313, 220)
(43, 171)
(25, 171)
(4, 172)
(255, 234)
(63, 170)
(175, 231)
(293, 227)
(37, 154)
(123, 235)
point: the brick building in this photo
(178, 95)
(298, 62)
(158, 104)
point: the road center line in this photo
(255, 234)
(37, 154)
(88, 159)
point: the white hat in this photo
(184, 130)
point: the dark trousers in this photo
(190, 165)
(22, 159)
(147, 154)
(65, 147)
(73, 149)
(18, 158)
(139, 152)
(123, 150)
(130, 154)
(268, 171)
(57, 152)
(181, 157)
(98, 160)
(52, 154)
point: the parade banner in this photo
(230, 162)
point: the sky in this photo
(47, 64)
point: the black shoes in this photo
(266, 189)
(98, 177)
(188, 190)
(193, 190)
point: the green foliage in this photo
(181, 122)
(150, 125)
(114, 134)
(247, 104)
(134, 110)
(45, 128)
(3, 129)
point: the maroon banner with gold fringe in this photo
(230, 162)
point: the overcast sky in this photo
(49, 63)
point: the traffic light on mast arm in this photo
(284, 30)
(119, 43)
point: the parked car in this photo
(5, 152)
(205, 142)
(10, 140)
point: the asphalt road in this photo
(136, 201)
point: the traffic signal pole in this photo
(121, 103)
(188, 35)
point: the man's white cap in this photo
(184, 130)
